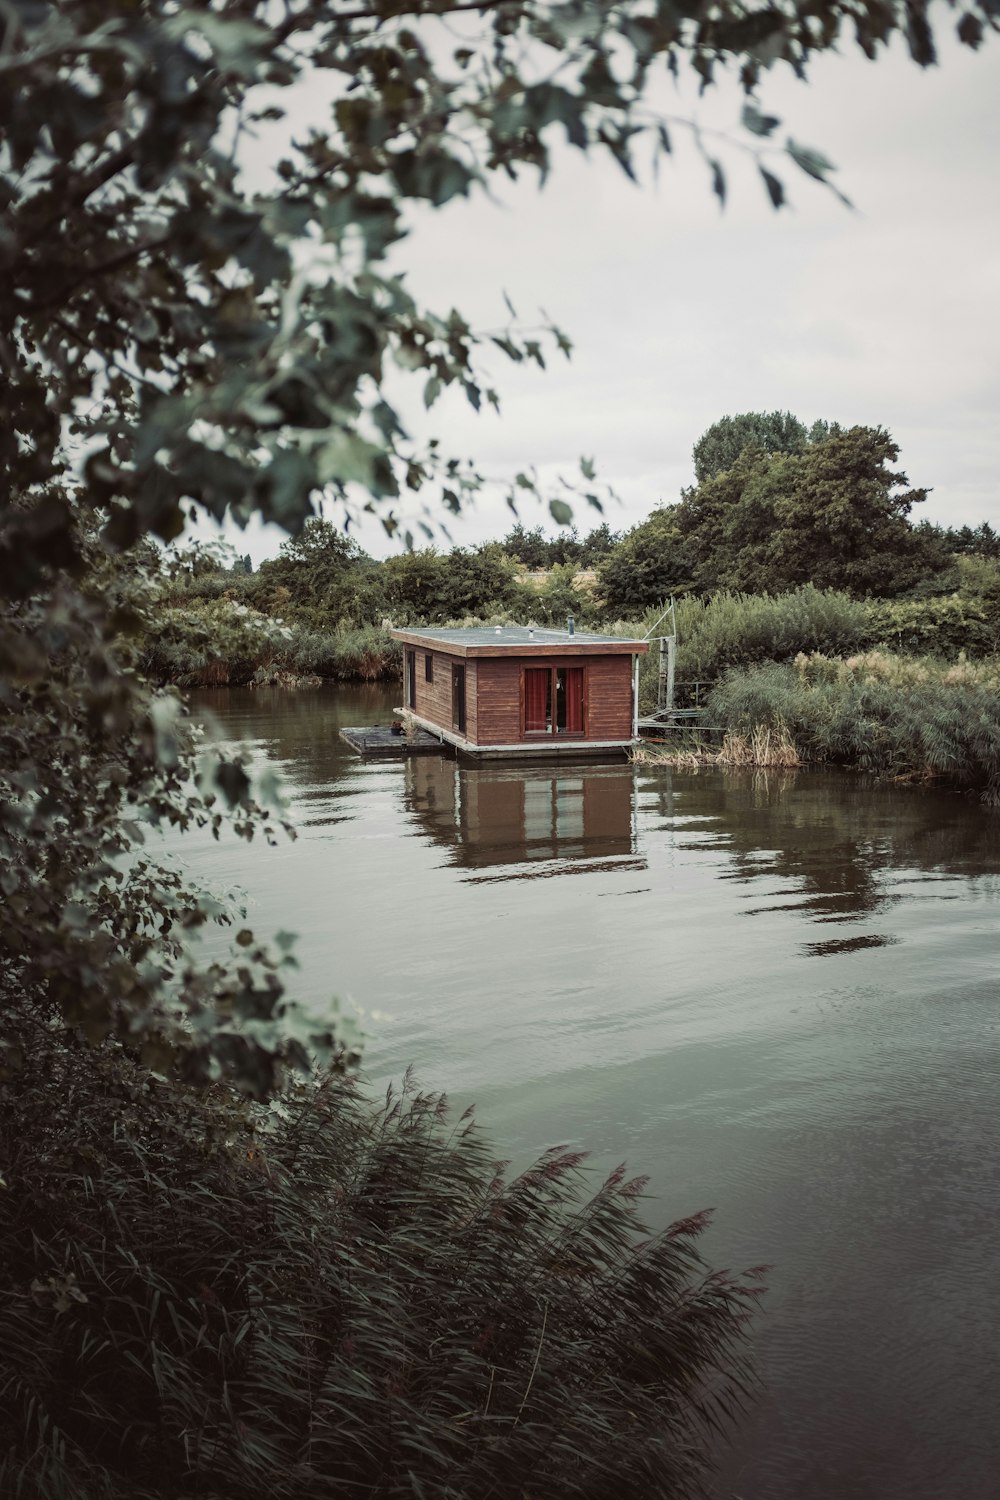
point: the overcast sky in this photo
(680, 313)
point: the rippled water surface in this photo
(774, 992)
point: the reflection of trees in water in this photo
(835, 834)
(300, 720)
(298, 729)
(504, 814)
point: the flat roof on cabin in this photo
(516, 638)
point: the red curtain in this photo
(574, 700)
(536, 697)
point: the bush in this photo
(428, 588)
(366, 654)
(559, 596)
(736, 630)
(205, 1297)
(226, 644)
(943, 626)
(726, 630)
(885, 714)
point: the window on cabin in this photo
(553, 700)
(428, 668)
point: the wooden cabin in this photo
(522, 690)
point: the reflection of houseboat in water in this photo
(504, 815)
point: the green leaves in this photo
(775, 188)
(812, 162)
(233, 782)
(757, 122)
(433, 174)
(718, 182)
(970, 31)
(239, 46)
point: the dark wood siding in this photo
(494, 713)
(434, 698)
(607, 698)
(471, 700)
(434, 701)
(498, 701)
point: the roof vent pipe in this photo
(531, 632)
(570, 625)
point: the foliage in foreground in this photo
(154, 293)
(889, 715)
(212, 1298)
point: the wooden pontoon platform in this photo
(380, 740)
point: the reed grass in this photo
(201, 1297)
(678, 757)
(763, 745)
(894, 716)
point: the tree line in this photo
(223, 1269)
(778, 506)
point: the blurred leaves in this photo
(199, 1295)
(221, 338)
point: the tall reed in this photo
(204, 1298)
(723, 630)
(889, 715)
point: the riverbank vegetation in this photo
(916, 719)
(913, 718)
(203, 1296)
(223, 1269)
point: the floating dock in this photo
(379, 740)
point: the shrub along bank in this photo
(725, 630)
(903, 717)
(224, 643)
(206, 1297)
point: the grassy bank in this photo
(222, 643)
(724, 630)
(335, 1295)
(904, 717)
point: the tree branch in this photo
(75, 198)
(93, 272)
(304, 21)
(84, 343)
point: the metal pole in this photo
(671, 660)
(661, 680)
(635, 696)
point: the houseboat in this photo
(521, 690)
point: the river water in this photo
(774, 992)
